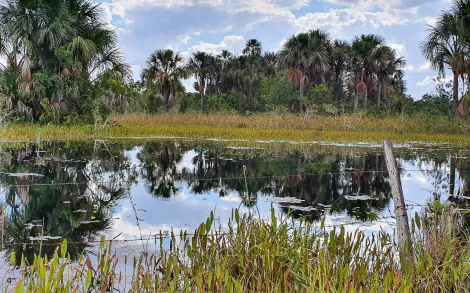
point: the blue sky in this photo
(213, 25)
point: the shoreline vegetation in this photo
(254, 128)
(266, 255)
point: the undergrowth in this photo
(260, 255)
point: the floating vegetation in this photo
(303, 209)
(23, 174)
(285, 200)
(44, 238)
(89, 222)
(360, 197)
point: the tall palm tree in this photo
(365, 51)
(340, 60)
(163, 72)
(305, 56)
(444, 49)
(202, 65)
(387, 68)
(252, 48)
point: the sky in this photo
(144, 26)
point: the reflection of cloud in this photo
(186, 161)
(231, 197)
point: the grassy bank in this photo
(255, 255)
(259, 127)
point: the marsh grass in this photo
(260, 127)
(265, 255)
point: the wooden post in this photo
(401, 216)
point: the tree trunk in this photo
(301, 106)
(455, 90)
(379, 95)
(365, 100)
(356, 100)
(202, 102)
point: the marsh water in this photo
(81, 191)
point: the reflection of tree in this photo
(79, 210)
(84, 184)
(159, 167)
(341, 175)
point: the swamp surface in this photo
(132, 190)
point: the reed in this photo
(265, 255)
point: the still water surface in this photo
(82, 191)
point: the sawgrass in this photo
(257, 127)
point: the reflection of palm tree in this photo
(159, 168)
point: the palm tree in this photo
(270, 63)
(340, 60)
(252, 48)
(58, 38)
(387, 68)
(163, 71)
(444, 49)
(202, 65)
(305, 56)
(365, 51)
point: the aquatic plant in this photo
(265, 255)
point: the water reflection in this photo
(80, 191)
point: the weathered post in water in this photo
(401, 216)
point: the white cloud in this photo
(263, 7)
(433, 80)
(136, 70)
(184, 40)
(197, 33)
(231, 43)
(430, 20)
(383, 4)
(425, 67)
(107, 14)
(410, 68)
(337, 19)
(120, 31)
(399, 48)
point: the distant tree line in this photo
(62, 65)
(310, 71)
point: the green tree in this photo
(365, 51)
(305, 56)
(61, 41)
(162, 75)
(444, 49)
(203, 67)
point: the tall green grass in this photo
(267, 255)
(260, 127)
